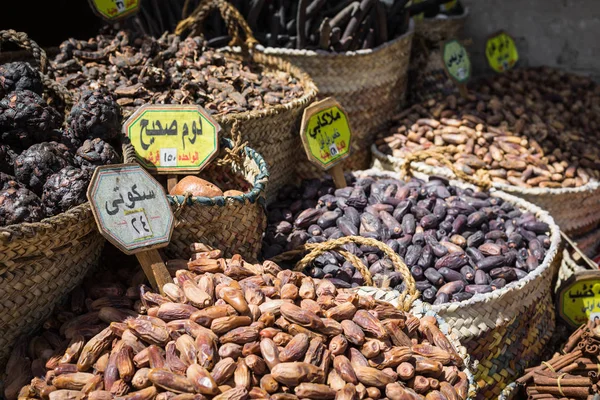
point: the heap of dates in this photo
(140, 69)
(456, 242)
(226, 329)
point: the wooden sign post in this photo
(327, 137)
(457, 64)
(114, 10)
(133, 213)
(501, 52)
(173, 139)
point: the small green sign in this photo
(456, 61)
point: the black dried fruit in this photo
(37, 163)
(96, 152)
(19, 75)
(19, 205)
(95, 115)
(8, 181)
(65, 190)
(25, 119)
(7, 159)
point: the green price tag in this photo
(456, 61)
(113, 10)
(173, 138)
(579, 298)
(501, 52)
(326, 133)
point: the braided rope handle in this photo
(22, 40)
(232, 17)
(234, 156)
(481, 179)
(406, 298)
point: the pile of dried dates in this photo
(456, 242)
(528, 128)
(46, 163)
(140, 69)
(229, 330)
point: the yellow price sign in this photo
(579, 298)
(326, 133)
(173, 138)
(449, 6)
(113, 10)
(501, 52)
(456, 61)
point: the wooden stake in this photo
(171, 182)
(462, 89)
(155, 269)
(337, 173)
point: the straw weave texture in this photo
(369, 84)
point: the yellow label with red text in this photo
(115, 9)
(579, 298)
(173, 138)
(326, 133)
(501, 52)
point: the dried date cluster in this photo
(456, 242)
(45, 170)
(529, 128)
(229, 330)
(141, 69)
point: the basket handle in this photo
(407, 297)
(22, 40)
(232, 17)
(481, 180)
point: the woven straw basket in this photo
(575, 210)
(233, 224)
(505, 331)
(273, 132)
(427, 78)
(369, 84)
(43, 261)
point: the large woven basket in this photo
(369, 84)
(505, 331)
(575, 210)
(233, 224)
(273, 132)
(41, 262)
(427, 78)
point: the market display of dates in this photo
(456, 242)
(141, 69)
(528, 128)
(46, 163)
(227, 329)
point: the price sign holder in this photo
(326, 136)
(173, 139)
(457, 64)
(132, 212)
(114, 10)
(501, 52)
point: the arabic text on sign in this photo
(138, 224)
(129, 200)
(150, 129)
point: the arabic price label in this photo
(130, 208)
(501, 52)
(456, 61)
(113, 10)
(173, 138)
(326, 133)
(579, 298)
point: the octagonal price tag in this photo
(173, 138)
(579, 298)
(501, 52)
(113, 10)
(326, 136)
(456, 61)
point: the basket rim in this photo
(255, 194)
(278, 64)
(30, 229)
(330, 54)
(592, 185)
(541, 214)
